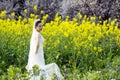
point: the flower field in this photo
(84, 48)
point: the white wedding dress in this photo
(38, 58)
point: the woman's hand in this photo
(37, 49)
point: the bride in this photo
(36, 55)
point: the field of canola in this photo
(84, 48)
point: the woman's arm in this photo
(37, 43)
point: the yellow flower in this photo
(89, 38)
(65, 47)
(32, 15)
(25, 11)
(99, 49)
(90, 45)
(41, 12)
(92, 18)
(3, 13)
(79, 15)
(35, 7)
(13, 14)
(67, 18)
(94, 48)
(65, 34)
(20, 17)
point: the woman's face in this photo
(39, 27)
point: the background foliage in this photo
(84, 47)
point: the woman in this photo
(36, 54)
